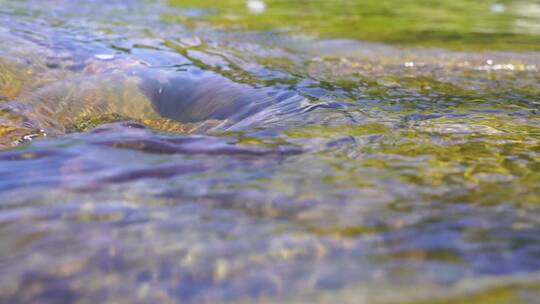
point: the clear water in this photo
(270, 151)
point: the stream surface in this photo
(269, 151)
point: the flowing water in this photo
(349, 151)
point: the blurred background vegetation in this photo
(457, 24)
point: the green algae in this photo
(87, 122)
(351, 231)
(511, 293)
(10, 82)
(311, 131)
(483, 160)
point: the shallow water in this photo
(241, 151)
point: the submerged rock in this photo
(49, 89)
(127, 89)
